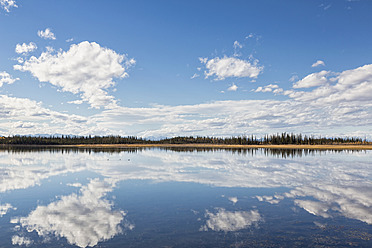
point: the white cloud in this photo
(203, 61)
(226, 118)
(86, 69)
(237, 45)
(318, 63)
(228, 221)
(96, 220)
(233, 87)
(195, 76)
(70, 40)
(312, 80)
(20, 60)
(77, 102)
(6, 78)
(327, 7)
(293, 78)
(337, 103)
(5, 208)
(269, 88)
(260, 89)
(230, 67)
(16, 108)
(18, 115)
(233, 199)
(77, 185)
(351, 86)
(46, 34)
(19, 240)
(8, 4)
(253, 36)
(24, 48)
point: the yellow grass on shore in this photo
(218, 146)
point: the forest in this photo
(273, 139)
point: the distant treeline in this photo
(274, 139)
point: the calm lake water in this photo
(185, 198)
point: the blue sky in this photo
(168, 68)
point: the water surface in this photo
(185, 198)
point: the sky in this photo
(164, 68)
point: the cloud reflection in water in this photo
(5, 208)
(353, 202)
(84, 220)
(229, 221)
(334, 184)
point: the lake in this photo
(185, 198)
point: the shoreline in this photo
(207, 146)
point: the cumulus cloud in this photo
(350, 86)
(86, 69)
(84, 220)
(46, 34)
(19, 240)
(8, 4)
(312, 80)
(25, 48)
(227, 67)
(269, 88)
(5, 208)
(233, 87)
(6, 78)
(228, 221)
(318, 63)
